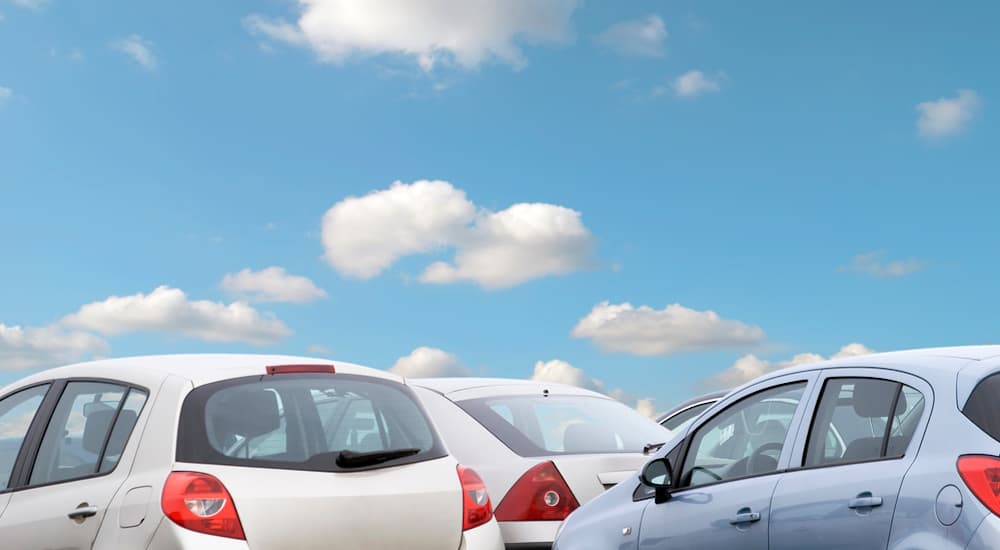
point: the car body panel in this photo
(927, 470)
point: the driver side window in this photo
(743, 440)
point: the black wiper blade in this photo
(354, 459)
(650, 447)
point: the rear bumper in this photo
(529, 535)
(170, 536)
(484, 537)
(987, 536)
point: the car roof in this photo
(461, 388)
(200, 369)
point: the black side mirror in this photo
(659, 475)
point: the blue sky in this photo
(795, 177)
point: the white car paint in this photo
(413, 506)
(588, 475)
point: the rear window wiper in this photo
(354, 459)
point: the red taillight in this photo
(476, 506)
(300, 369)
(540, 495)
(982, 475)
(201, 503)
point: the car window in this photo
(127, 417)
(303, 422)
(77, 432)
(564, 424)
(983, 406)
(679, 419)
(852, 421)
(744, 439)
(17, 411)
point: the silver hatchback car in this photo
(890, 451)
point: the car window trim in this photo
(708, 402)
(53, 396)
(686, 444)
(25, 455)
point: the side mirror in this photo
(659, 475)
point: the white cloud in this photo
(523, 242)
(674, 329)
(750, 366)
(425, 362)
(643, 37)
(318, 349)
(31, 4)
(873, 264)
(35, 348)
(696, 83)
(139, 49)
(561, 372)
(947, 116)
(169, 310)
(363, 236)
(272, 284)
(5, 94)
(465, 32)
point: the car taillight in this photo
(476, 506)
(201, 503)
(982, 475)
(301, 369)
(540, 495)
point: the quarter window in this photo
(17, 411)
(861, 419)
(743, 440)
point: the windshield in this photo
(541, 426)
(306, 422)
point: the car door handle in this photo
(745, 516)
(865, 500)
(83, 512)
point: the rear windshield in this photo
(983, 406)
(556, 425)
(335, 422)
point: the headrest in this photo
(96, 428)
(873, 399)
(249, 413)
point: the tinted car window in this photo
(852, 422)
(983, 406)
(16, 414)
(677, 420)
(77, 432)
(304, 422)
(564, 424)
(744, 439)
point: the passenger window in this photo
(743, 440)
(862, 419)
(77, 432)
(123, 429)
(16, 414)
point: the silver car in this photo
(230, 452)
(543, 449)
(893, 451)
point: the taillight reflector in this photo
(299, 369)
(201, 503)
(982, 475)
(476, 506)
(541, 494)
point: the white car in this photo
(230, 452)
(542, 449)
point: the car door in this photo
(849, 464)
(730, 463)
(60, 500)
(17, 412)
